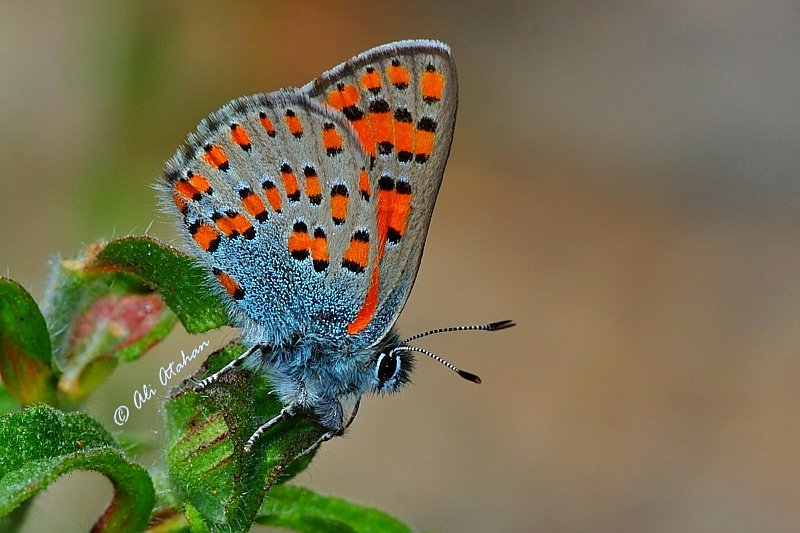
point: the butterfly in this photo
(308, 208)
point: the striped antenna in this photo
(464, 374)
(491, 326)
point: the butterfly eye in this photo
(387, 368)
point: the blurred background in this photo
(624, 183)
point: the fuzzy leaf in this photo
(176, 276)
(25, 353)
(41, 443)
(206, 432)
(98, 318)
(300, 509)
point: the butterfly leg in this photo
(328, 435)
(287, 412)
(352, 417)
(202, 384)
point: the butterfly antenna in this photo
(492, 326)
(464, 374)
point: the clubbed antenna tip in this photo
(469, 377)
(503, 324)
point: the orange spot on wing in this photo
(299, 241)
(319, 250)
(242, 225)
(226, 226)
(205, 236)
(230, 284)
(398, 75)
(356, 256)
(401, 209)
(363, 184)
(424, 144)
(273, 196)
(185, 189)
(233, 224)
(313, 190)
(386, 197)
(331, 140)
(267, 124)
(404, 136)
(293, 123)
(215, 157)
(364, 132)
(371, 80)
(253, 204)
(432, 86)
(319, 247)
(382, 126)
(339, 200)
(339, 208)
(199, 182)
(240, 137)
(394, 208)
(343, 96)
(290, 184)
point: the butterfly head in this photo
(392, 370)
(390, 365)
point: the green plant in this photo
(110, 307)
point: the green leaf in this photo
(196, 522)
(177, 277)
(14, 520)
(303, 510)
(168, 520)
(7, 402)
(220, 484)
(40, 444)
(97, 318)
(168, 516)
(25, 353)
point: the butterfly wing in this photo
(401, 101)
(308, 223)
(273, 217)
